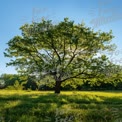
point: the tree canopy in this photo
(66, 50)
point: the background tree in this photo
(65, 50)
(9, 79)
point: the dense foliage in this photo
(65, 51)
(113, 81)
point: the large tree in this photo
(65, 50)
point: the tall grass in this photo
(36, 106)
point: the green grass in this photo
(36, 106)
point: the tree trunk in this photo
(57, 87)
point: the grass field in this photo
(36, 106)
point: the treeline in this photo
(24, 82)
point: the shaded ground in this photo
(21, 106)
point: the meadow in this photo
(73, 106)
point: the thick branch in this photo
(73, 56)
(64, 49)
(77, 76)
(56, 52)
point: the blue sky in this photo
(99, 14)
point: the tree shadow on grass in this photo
(51, 108)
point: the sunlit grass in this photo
(41, 106)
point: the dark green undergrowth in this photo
(66, 107)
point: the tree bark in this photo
(58, 87)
